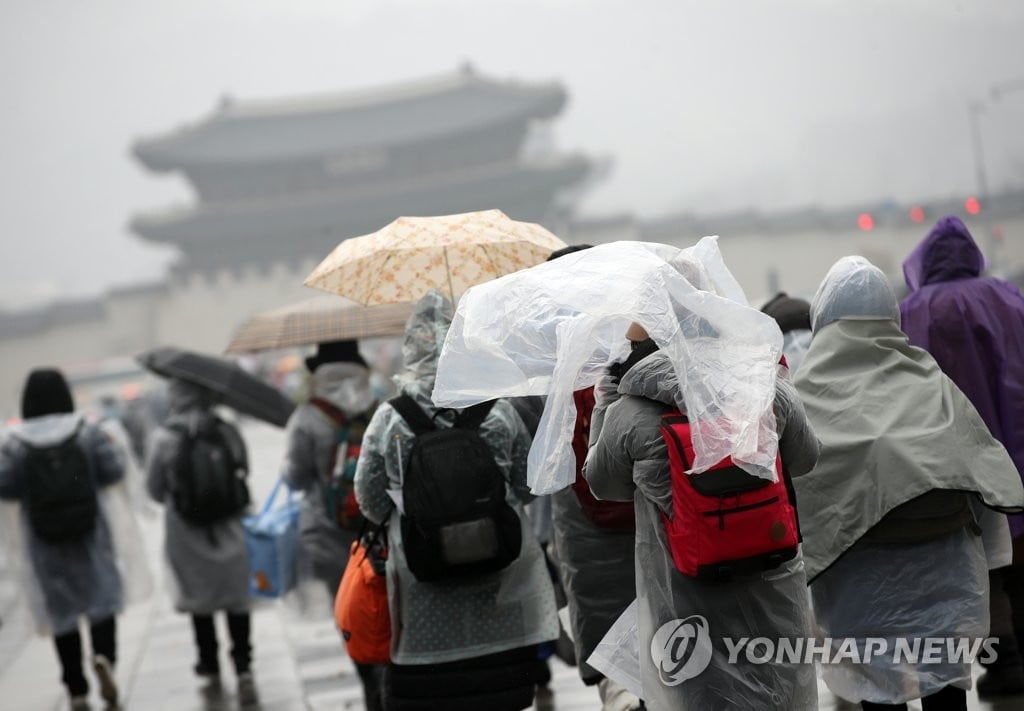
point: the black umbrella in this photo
(235, 388)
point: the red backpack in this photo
(725, 522)
(613, 515)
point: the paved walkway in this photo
(299, 665)
(299, 662)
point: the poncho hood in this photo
(183, 397)
(946, 254)
(425, 332)
(47, 430)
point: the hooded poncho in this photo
(893, 428)
(93, 577)
(312, 453)
(209, 564)
(435, 623)
(891, 424)
(974, 328)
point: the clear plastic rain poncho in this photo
(552, 329)
(94, 577)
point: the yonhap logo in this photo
(681, 649)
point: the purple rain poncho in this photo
(974, 327)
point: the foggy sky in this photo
(703, 106)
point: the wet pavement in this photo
(299, 662)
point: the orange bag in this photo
(361, 607)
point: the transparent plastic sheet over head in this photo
(553, 329)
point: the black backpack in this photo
(209, 478)
(60, 493)
(457, 522)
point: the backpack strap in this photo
(413, 415)
(232, 439)
(330, 411)
(473, 416)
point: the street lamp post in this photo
(974, 111)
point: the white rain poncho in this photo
(94, 577)
(552, 329)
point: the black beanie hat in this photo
(791, 314)
(46, 392)
(335, 352)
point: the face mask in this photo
(345, 386)
(353, 396)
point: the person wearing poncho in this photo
(974, 328)
(85, 576)
(628, 461)
(460, 644)
(552, 330)
(886, 513)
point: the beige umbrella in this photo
(412, 255)
(322, 318)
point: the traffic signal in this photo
(917, 213)
(865, 222)
(973, 206)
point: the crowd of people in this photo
(895, 511)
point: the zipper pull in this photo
(721, 517)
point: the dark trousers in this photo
(505, 681)
(1013, 584)
(949, 699)
(103, 638)
(206, 642)
(1003, 626)
(373, 692)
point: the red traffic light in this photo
(917, 213)
(865, 222)
(973, 206)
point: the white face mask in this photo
(344, 385)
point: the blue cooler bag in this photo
(272, 539)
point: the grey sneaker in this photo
(247, 695)
(80, 703)
(105, 675)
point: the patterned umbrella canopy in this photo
(412, 255)
(322, 318)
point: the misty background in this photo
(702, 106)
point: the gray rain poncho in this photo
(312, 443)
(892, 428)
(95, 577)
(434, 623)
(552, 329)
(209, 564)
